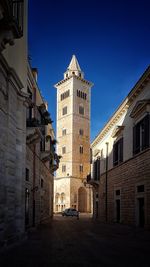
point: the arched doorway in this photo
(82, 199)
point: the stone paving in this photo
(84, 242)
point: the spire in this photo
(73, 69)
(74, 65)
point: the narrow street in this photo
(83, 242)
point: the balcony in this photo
(92, 181)
(45, 115)
(34, 136)
(11, 21)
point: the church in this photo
(73, 141)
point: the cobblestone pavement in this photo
(84, 242)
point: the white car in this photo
(70, 212)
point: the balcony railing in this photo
(92, 181)
(13, 16)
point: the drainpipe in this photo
(34, 172)
(106, 200)
(33, 191)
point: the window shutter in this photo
(146, 132)
(114, 155)
(98, 169)
(121, 150)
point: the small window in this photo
(73, 73)
(27, 174)
(118, 152)
(64, 111)
(67, 75)
(81, 110)
(96, 169)
(63, 150)
(64, 131)
(81, 149)
(140, 188)
(81, 132)
(63, 168)
(118, 192)
(141, 135)
(42, 183)
(81, 168)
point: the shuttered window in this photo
(118, 152)
(141, 135)
(96, 169)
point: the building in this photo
(13, 89)
(27, 147)
(73, 140)
(41, 159)
(121, 161)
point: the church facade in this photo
(73, 140)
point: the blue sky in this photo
(111, 40)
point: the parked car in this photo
(70, 212)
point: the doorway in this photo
(118, 210)
(141, 212)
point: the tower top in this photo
(73, 69)
(74, 65)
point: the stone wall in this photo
(126, 177)
(12, 155)
(41, 192)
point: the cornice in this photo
(78, 78)
(135, 91)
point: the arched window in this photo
(56, 198)
(81, 110)
(62, 198)
(81, 149)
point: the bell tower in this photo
(73, 136)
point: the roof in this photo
(74, 65)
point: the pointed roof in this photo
(74, 65)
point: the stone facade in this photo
(27, 149)
(73, 136)
(12, 122)
(121, 162)
(39, 156)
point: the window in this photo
(81, 110)
(65, 95)
(42, 183)
(62, 198)
(118, 192)
(141, 132)
(81, 149)
(81, 132)
(118, 152)
(64, 111)
(96, 169)
(81, 168)
(140, 188)
(63, 168)
(27, 175)
(64, 132)
(81, 94)
(63, 150)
